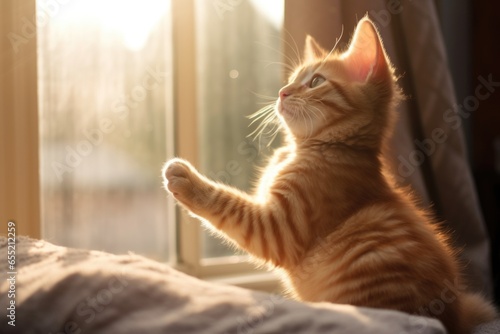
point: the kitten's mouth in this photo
(283, 111)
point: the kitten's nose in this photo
(284, 93)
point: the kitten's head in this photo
(343, 97)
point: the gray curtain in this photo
(428, 147)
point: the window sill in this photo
(267, 282)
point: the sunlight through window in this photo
(104, 91)
(132, 20)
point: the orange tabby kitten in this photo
(326, 210)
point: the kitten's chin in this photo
(283, 112)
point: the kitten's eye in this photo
(316, 81)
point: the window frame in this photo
(19, 176)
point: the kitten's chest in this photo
(279, 170)
(268, 180)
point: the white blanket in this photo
(62, 290)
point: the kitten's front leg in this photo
(187, 185)
(261, 228)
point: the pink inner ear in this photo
(365, 55)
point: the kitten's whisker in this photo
(262, 126)
(268, 132)
(269, 136)
(263, 96)
(304, 113)
(312, 111)
(287, 57)
(270, 117)
(257, 132)
(289, 67)
(261, 112)
(265, 118)
(337, 40)
(294, 47)
(293, 63)
(302, 102)
(321, 112)
(276, 132)
(269, 120)
(265, 103)
(312, 126)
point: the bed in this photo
(64, 290)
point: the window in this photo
(104, 96)
(111, 75)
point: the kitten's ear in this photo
(365, 58)
(312, 50)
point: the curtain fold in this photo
(443, 143)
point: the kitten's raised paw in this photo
(176, 168)
(186, 184)
(177, 176)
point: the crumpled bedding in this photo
(63, 290)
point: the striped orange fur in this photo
(326, 210)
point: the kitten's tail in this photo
(476, 310)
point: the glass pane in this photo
(239, 55)
(103, 106)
